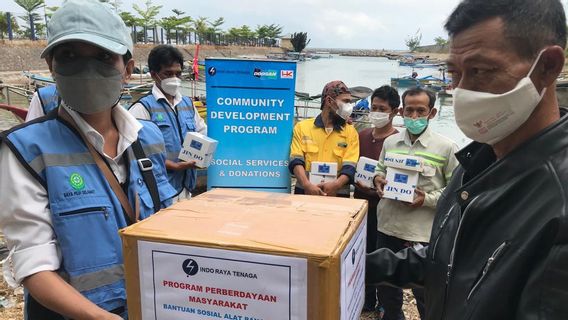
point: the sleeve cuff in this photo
(45, 257)
(295, 162)
(349, 171)
(430, 200)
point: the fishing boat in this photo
(404, 82)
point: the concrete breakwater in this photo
(25, 55)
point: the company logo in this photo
(190, 267)
(267, 74)
(212, 71)
(411, 163)
(287, 74)
(76, 181)
(323, 168)
(369, 167)
(159, 117)
(401, 178)
(194, 144)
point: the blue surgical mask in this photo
(416, 126)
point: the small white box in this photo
(406, 162)
(198, 148)
(324, 168)
(321, 178)
(400, 184)
(366, 171)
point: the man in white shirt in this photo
(174, 114)
(61, 210)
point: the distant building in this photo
(286, 42)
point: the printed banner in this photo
(250, 111)
(183, 282)
(353, 275)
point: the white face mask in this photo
(344, 110)
(379, 119)
(171, 85)
(489, 118)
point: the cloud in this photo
(347, 25)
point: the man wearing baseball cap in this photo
(80, 174)
(326, 138)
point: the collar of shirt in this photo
(159, 95)
(126, 125)
(475, 158)
(319, 123)
(424, 138)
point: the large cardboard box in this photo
(230, 254)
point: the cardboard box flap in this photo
(256, 221)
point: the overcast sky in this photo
(365, 24)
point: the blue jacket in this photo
(174, 127)
(49, 98)
(86, 214)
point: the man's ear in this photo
(128, 70)
(549, 67)
(394, 112)
(49, 61)
(433, 113)
(401, 112)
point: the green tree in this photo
(216, 25)
(413, 42)
(30, 6)
(4, 25)
(49, 11)
(173, 23)
(274, 31)
(39, 26)
(246, 32)
(300, 41)
(441, 42)
(262, 31)
(183, 27)
(201, 27)
(129, 19)
(148, 15)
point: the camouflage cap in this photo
(333, 90)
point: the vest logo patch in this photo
(159, 117)
(77, 182)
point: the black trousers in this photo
(33, 310)
(390, 297)
(371, 290)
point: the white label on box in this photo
(185, 282)
(353, 274)
(201, 161)
(325, 168)
(365, 171)
(320, 178)
(400, 185)
(405, 162)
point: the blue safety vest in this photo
(86, 214)
(49, 98)
(174, 127)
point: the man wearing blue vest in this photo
(174, 114)
(72, 179)
(44, 100)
